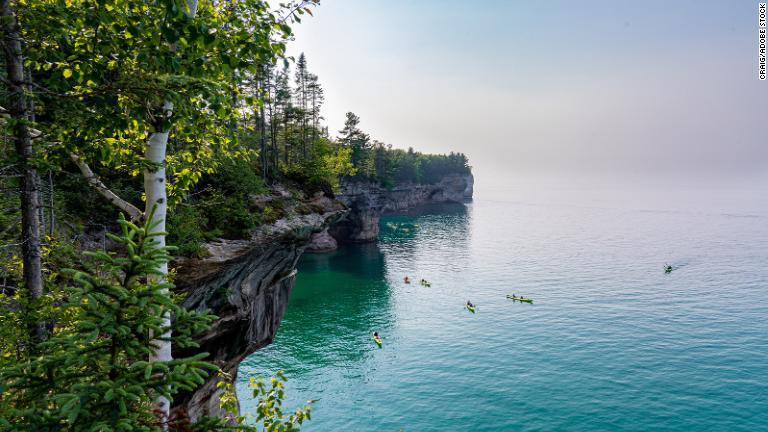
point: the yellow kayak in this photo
(470, 308)
(377, 340)
(520, 299)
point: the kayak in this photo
(470, 308)
(377, 340)
(520, 299)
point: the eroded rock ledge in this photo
(368, 201)
(246, 283)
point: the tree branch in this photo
(33, 133)
(133, 212)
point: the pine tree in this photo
(283, 108)
(301, 98)
(317, 97)
(94, 374)
(357, 140)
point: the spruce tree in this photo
(95, 374)
(357, 140)
(301, 98)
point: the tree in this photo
(301, 97)
(94, 374)
(283, 109)
(351, 136)
(21, 116)
(118, 78)
(263, 89)
(156, 194)
(317, 97)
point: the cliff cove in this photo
(247, 283)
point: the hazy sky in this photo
(567, 90)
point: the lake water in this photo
(610, 343)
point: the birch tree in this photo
(119, 78)
(157, 205)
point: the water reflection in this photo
(404, 236)
(341, 297)
(359, 260)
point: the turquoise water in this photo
(611, 342)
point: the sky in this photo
(566, 92)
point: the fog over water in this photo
(593, 94)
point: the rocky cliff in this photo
(368, 201)
(246, 283)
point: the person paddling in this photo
(406, 280)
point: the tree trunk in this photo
(263, 142)
(30, 197)
(286, 146)
(315, 113)
(157, 205)
(133, 212)
(52, 211)
(273, 138)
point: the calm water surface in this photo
(611, 342)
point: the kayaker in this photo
(376, 334)
(469, 304)
(406, 280)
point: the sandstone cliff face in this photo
(246, 283)
(368, 201)
(322, 242)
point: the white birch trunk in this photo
(156, 194)
(157, 200)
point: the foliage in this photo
(219, 207)
(356, 140)
(378, 162)
(108, 67)
(185, 230)
(337, 165)
(101, 75)
(328, 164)
(93, 373)
(269, 409)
